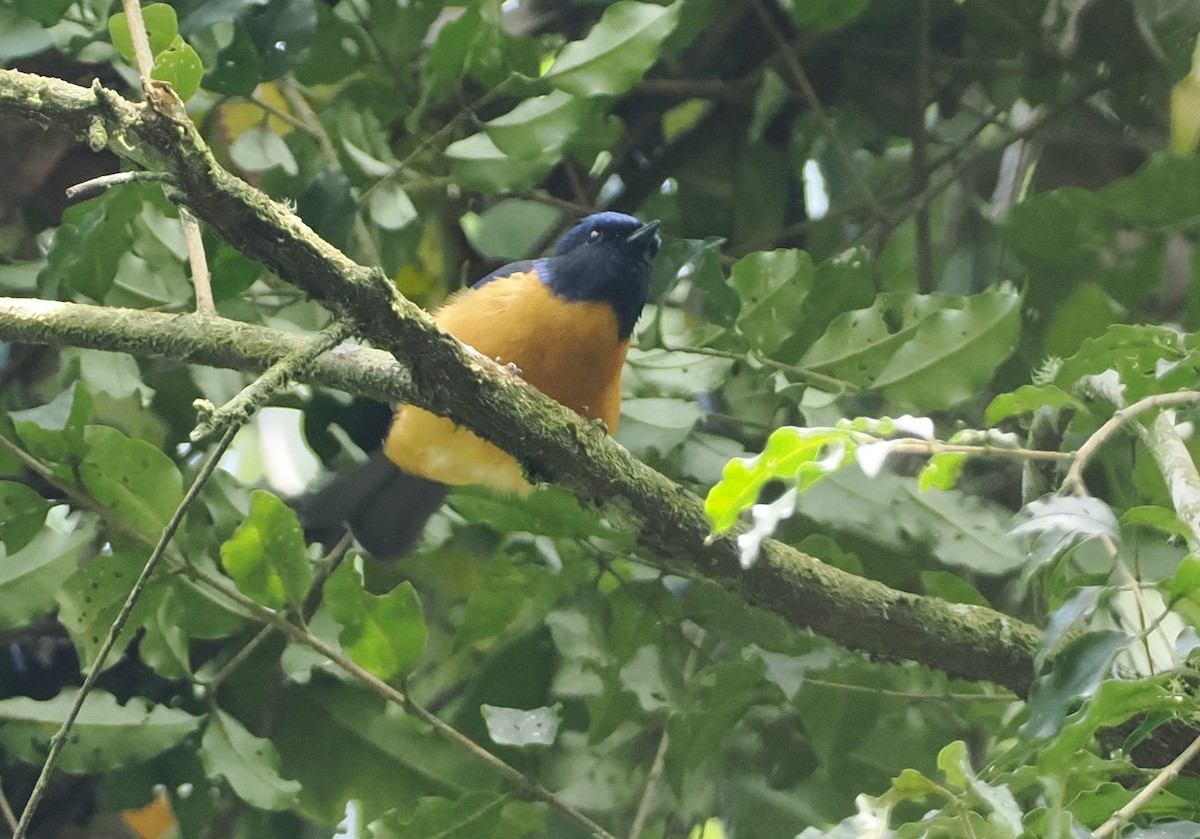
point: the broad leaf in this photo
(385, 634)
(105, 735)
(249, 764)
(621, 47)
(266, 556)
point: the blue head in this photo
(606, 258)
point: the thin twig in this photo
(281, 114)
(920, 156)
(10, 818)
(839, 385)
(1073, 482)
(814, 102)
(221, 585)
(312, 125)
(239, 409)
(60, 738)
(94, 186)
(201, 278)
(143, 57)
(302, 636)
(1167, 774)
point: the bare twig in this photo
(312, 125)
(302, 636)
(920, 156)
(1167, 774)
(89, 681)
(6, 810)
(810, 96)
(1073, 482)
(241, 407)
(201, 278)
(143, 57)
(94, 186)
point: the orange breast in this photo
(568, 350)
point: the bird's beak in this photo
(646, 231)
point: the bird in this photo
(562, 322)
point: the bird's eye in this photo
(594, 236)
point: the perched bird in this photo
(564, 321)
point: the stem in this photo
(89, 681)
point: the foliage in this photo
(894, 303)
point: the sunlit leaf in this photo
(266, 556)
(517, 727)
(385, 634)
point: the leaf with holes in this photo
(132, 478)
(105, 735)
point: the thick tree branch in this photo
(551, 442)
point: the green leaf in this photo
(952, 760)
(1112, 702)
(475, 814)
(953, 353)
(249, 764)
(259, 148)
(548, 511)
(952, 588)
(478, 163)
(858, 344)
(162, 27)
(518, 727)
(618, 51)
(30, 577)
(1156, 518)
(657, 425)
(105, 735)
(390, 206)
(385, 634)
(45, 12)
(236, 71)
(772, 286)
(509, 229)
(282, 31)
(1027, 399)
(1148, 359)
(787, 453)
(266, 556)
(22, 512)
(131, 478)
(54, 432)
(1075, 671)
(942, 471)
(180, 66)
(342, 742)
(90, 598)
(538, 126)
(127, 242)
(825, 15)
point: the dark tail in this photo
(386, 508)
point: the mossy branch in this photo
(551, 441)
